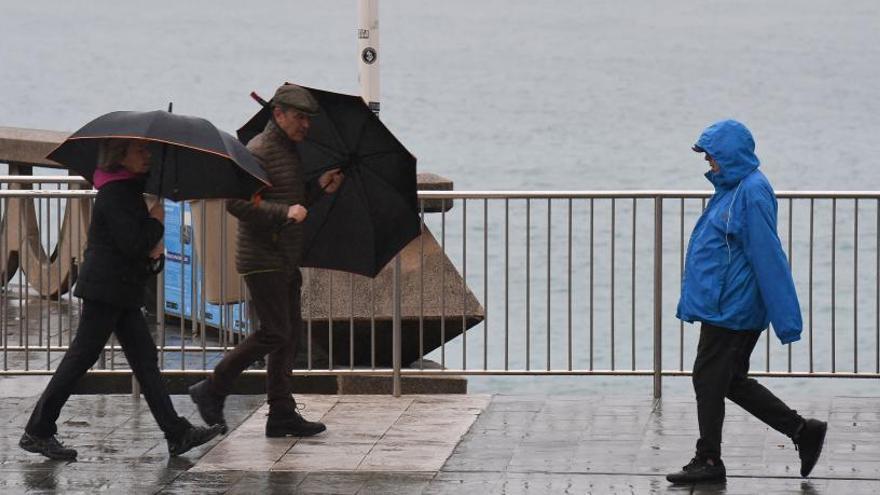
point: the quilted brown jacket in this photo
(267, 241)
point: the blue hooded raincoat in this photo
(736, 274)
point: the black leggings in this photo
(97, 321)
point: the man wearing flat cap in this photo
(270, 239)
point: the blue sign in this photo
(181, 266)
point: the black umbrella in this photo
(192, 159)
(375, 213)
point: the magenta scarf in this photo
(102, 178)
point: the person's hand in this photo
(297, 213)
(158, 211)
(158, 250)
(331, 180)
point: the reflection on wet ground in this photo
(516, 444)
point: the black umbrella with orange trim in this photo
(192, 159)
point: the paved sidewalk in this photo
(383, 445)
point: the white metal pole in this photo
(368, 76)
(368, 52)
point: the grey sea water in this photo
(566, 94)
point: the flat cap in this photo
(298, 98)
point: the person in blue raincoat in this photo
(736, 282)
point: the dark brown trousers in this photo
(276, 298)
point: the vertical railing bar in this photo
(681, 249)
(767, 351)
(613, 244)
(395, 329)
(485, 284)
(203, 291)
(422, 284)
(330, 320)
(812, 245)
(75, 263)
(193, 288)
(72, 204)
(245, 314)
(226, 308)
(40, 260)
(877, 293)
(46, 256)
(549, 220)
(833, 284)
(23, 336)
(307, 281)
(443, 286)
(658, 297)
(4, 301)
(59, 258)
(568, 291)
(633, 284)
(183, 237)
(592, 279)
(528, 282)
(351, 321)
(507, 282)
(856, 288)
(160, 315)
(373, 324)
(463, 283)
(790, 259)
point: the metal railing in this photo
(509, 283)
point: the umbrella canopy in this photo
(192, 159)
(375, 212)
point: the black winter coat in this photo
(116, 262)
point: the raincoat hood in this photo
(732, 147)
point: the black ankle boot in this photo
(49, 447)
(699, 470)
(192, 437)
(210, 404)
(291, 424)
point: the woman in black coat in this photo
(124, 246)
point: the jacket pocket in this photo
(707, 274)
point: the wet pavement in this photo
(439, 445)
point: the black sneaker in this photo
(192, 437)
(292, 425)
(210, 405)
(699, 470)
(49, 447)
(809, 444)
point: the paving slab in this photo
(364, 433)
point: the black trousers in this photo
(97, 321)
(721, 370)
(276, 297)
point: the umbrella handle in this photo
(258, 99)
